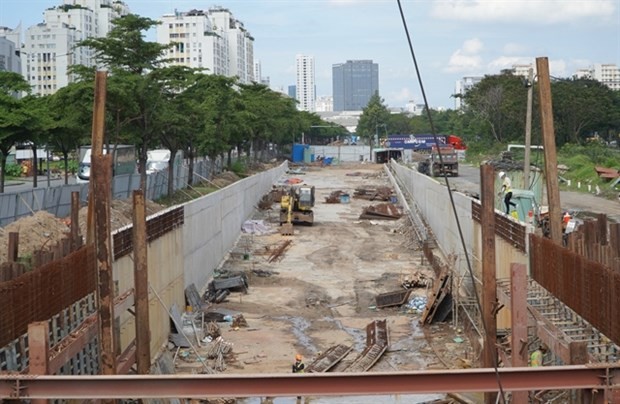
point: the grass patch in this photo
(186, 195)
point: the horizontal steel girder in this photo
(600, 377)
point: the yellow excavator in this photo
(296, 208)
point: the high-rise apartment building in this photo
(305, 85)
(292, 91)
(10, 45)
(354, 82)
(608, 74)
(49, 48)
(213, 40)
(462, 86)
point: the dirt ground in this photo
(322, 290)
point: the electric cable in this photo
(458, 223)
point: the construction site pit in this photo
(317, 289)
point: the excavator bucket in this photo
(287, 229)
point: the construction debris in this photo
(416, 280)
(376, 344)
(257, 227)
(382, 211)
(440, 303)
(219, 288)
(239, 321)
(334, 197)
(389, 299)
(374, 193)
(329, 359)
(276, 254)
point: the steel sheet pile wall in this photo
(213, 223)
(591, 289)
(38, 295)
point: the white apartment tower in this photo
(305, 84)
(50, 47)
(212, 40)
(462, 86)
(608, 74)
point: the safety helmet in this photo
(501, 174)
(297, 357)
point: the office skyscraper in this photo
(354, 82)
(305, 88)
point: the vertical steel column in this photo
(141, 283)
(75, 220)
(102, 166)
(13, 253)
(489, 284)
(98, 130)
(551, 160)
(518, 313)
(38, 351)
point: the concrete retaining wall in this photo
(213, 223)
(432, 199)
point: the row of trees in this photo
(150, 105)
(495, 112)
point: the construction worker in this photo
(298, 366)
(536, 358)
(507, 191)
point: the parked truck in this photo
(435, 166)
(123, 161)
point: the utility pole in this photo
(528, 130)
(551, 161)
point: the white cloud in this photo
(400, 96)
(467, 58)
(513, 48)
(506, 62)
(558, 68)
(532, 11)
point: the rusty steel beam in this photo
(75, 220)
(101, 177)
(141, 284)
(13, 252)
(602, 378)
(489, 278)
(551, 160)
(518, 315)
(126, 360)
(74, 343)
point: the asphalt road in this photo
(468, 182)
(25, 184)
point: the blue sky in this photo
(451, 38)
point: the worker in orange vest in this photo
(298, 366)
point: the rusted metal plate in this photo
(586, 286)
(382, 211)
(377, 341)
(440, 303)
(329, 358)
(392, 298)
(506, 228)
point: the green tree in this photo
(71, 119)
(580, 108)
(134, 62)
(374, 119)
(499, 105)
(16, 119)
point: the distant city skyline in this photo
(452, 40)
